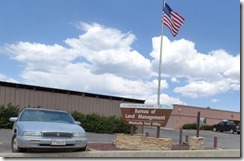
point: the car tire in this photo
(232, 131)
(14, 145)
(214, 129)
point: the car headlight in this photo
(76, 134)
(32, 133)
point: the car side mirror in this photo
(13, 119)
(77, 122)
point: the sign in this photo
(145, 114)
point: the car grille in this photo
(56, 145)
(57, 134)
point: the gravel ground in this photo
(111, 146)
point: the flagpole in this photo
(159, 70)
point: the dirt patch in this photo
(111, 146)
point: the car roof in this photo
(226, 120)
(43, 109)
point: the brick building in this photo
(182, 114)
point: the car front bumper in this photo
(60, 143)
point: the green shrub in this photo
(6, 113)
(101, 124)
(206, 127)
(190, 126)
(79, 117)
(194, 126)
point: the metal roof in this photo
(64, 91)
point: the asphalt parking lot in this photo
(225, 140)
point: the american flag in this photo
(172, 19)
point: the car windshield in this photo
(46, 116)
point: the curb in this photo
(230, 153)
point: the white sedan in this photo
(38, 128)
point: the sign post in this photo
(198, 124)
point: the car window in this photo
(28, 115)
(232, 123)
(46, 116)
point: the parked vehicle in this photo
(46, 129)
(227, 125)
(238, 129)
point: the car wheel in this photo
(214, 129)
(231, 131)
(14, 145)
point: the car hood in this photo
(50, 126)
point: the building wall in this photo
(34, 96)
(181, 115)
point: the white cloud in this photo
(233, 70)
(98, 37)
(164, 99)
(78, 76)
(40, 57)
(109, 50)
(208, 74)
(101, 60)
(7, 79)
(214, 100)
(181, 59)
(174, 80)
(203, 88)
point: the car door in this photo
(221, 126)
(226, 126)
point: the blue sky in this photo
(112, 48)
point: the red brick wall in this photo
(182, 114)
